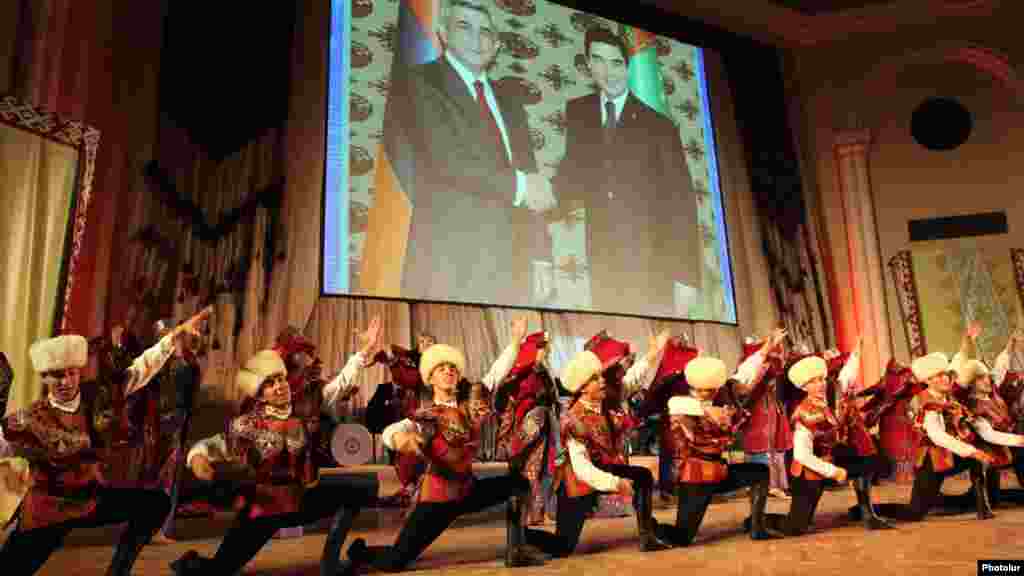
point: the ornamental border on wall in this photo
(86, 140)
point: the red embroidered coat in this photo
(276, 452)
(993, 409)
(697, 446)
(66, 468)
(818, 418)
(956, 419)
(453, 438)
(600, 434)
(768, 428)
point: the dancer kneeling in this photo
(946, 446)
(594, 463)
(819, 454)
(58, 468)
(270, 460)
(447, 436)
(700, 433)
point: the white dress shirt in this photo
(803, 452)
(470, 80)
(336, 389)
(619, 102)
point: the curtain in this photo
(37, 177)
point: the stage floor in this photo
(941, 545)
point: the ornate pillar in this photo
(867, 291)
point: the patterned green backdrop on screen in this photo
(542, 59)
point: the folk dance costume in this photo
(946, 445)
(994, 427)
(766, 434)
(667, 383)
(700, 433)
(271, 453)
(1011, 388)
(392, 402)
(526, 401)
(593, 460)
(451, 435)
(889, 407)
(55, 440)
(827, 446)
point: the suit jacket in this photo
(641, 211)
(461, 185)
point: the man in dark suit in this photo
(624, 164)
(463, 154)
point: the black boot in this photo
(330, 562)
(517, 553)
(867, 509)
(650, 541)
(758, 501)
(978, 479)
(192, 564)
(127, 551)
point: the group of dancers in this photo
(268, 461)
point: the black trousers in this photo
(143, 510)
(807, 493)
(247, 536)
(925, 493)
(428, 520)
(693, 499)
(572, 513)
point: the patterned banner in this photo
(901, 266)
(1017, 256)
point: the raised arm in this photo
(146, 366)
(340, 389)
(507, 359)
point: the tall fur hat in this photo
(806, 370)
(257, 369)
(706, 373)
(580, 370)
(68, 351)
(930, 365)
(441, 354)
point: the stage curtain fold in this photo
(38, 179)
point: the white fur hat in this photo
(684, 406)
(440, 354)
(808, 369)
(970, 371)
(706, 373)
(261, 365)
(68, 351)
(580, 370)
(927, 366)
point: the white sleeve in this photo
(148, 365)
(803, 452)
(5, 448)
(1001, 367)
(502, 366)
(585, 470)
(388, 436)
(935, 427)
(520, 199)
(747, 371)
(848, 375)
(214, 448)
(636, 376)
(341, 384)
(993, 436)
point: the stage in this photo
(947, 545)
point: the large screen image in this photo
(522, 154)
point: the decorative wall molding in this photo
(86, 140)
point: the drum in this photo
(351, 445)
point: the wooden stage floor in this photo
(941, 545)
